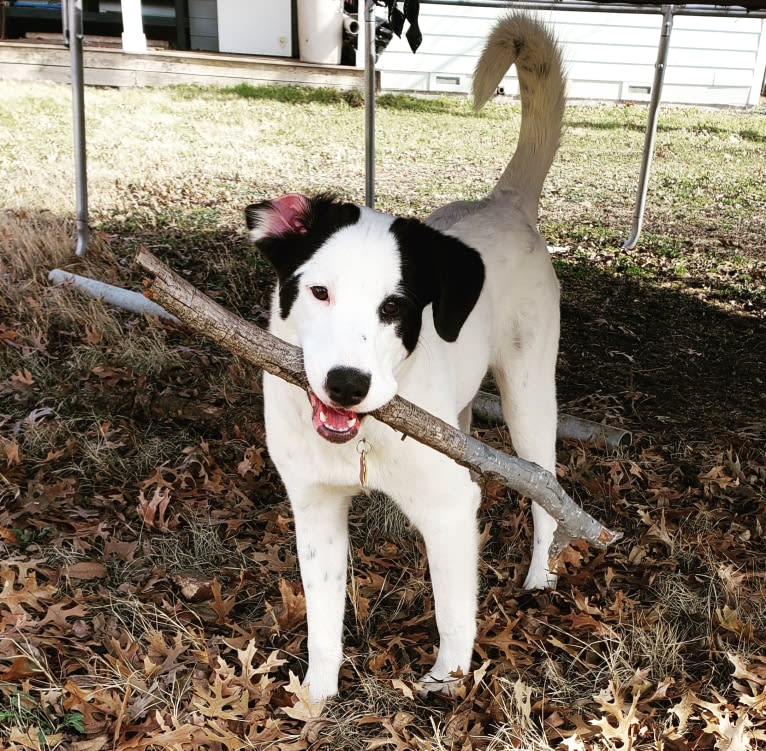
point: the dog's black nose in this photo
(347, 386)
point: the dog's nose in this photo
(347, 386)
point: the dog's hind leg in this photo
(321, 527)
(525, 376)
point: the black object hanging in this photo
(409, 13)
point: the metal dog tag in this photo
(363, 448)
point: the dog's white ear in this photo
(278, 217)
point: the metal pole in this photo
(651, 128)
(369, 103)
(74, 35)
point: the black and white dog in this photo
(383, 306)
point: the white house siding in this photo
(608, 56)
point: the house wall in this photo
(608, 56)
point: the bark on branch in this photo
(254, 344)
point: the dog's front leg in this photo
(321, 527)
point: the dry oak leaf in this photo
(20, 588)
(251, 462)
(22, 380)
(222, 700)
(60, 612)
(87, 702)
(20, 668)
(304, 709)
(684, 711)
(12, 451)
(293, 610)
(34, 739)
(750, 680)
(8, 536)
(152, 511)
(734, 730)
(169, 654)
(221, 606)
(85, 570)
(729, 620)
(247, 655)
(193, 586)
(221, 737)
(398, 736)
(614, 711)
(97, 743)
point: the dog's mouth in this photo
(332, 423)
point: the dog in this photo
(383, 306)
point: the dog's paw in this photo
(317, 692)
(308, 702)
(540, 579)
(450, 686)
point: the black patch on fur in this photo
(288, 251)
(438, 269)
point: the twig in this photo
(254, 344)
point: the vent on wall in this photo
(449, 82)
(636, 91)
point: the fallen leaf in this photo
(303, 709)
(85, 570)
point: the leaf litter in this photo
(150, 590)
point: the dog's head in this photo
(354, 283)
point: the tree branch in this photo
(254, 344)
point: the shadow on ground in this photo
(678, 360)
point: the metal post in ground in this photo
(369, 103)
(651, 128)
(73, 33)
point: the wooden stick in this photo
(254, 344)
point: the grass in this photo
(23, 715)
(149, 572)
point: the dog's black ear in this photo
(289, 229)
(460, 272)
(279, 217)
(442, 270)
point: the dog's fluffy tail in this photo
(529, 44)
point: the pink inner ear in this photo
(288, 213)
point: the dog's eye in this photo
(320, 293)
(391, 308)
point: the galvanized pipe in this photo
(369, 103)
(74, 35)
(651, 128)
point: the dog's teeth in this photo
(351, 422)
(322, 416)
